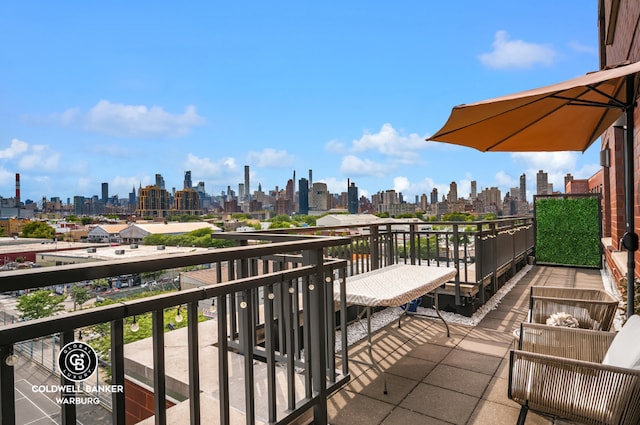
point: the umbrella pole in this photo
(631, 238)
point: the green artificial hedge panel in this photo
(568, 231)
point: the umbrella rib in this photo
(521, 129)
(569, 101)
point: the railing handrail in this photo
(13, 280)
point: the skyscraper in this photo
(542, 183)
(188, 184)
(523, 187)
(352, 198)
(247, 191)
(105, 192)
(303, 196)
(160, 181)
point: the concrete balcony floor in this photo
(435, 380)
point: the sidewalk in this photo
(435, 380)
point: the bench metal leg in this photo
(523, 414)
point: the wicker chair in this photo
(581, 375)
(593, 308)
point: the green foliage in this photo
(184, 218)
(382, 215)
(102, 343)
(427, 246)
(457, 216)
(41, 303)
(86, 220)
(406, 215)
(489, 216)
(72, 217)
(200, 238)
(38, 229)
(279, 225)
(80, 295)
(568, 231)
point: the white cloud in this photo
(334, 146)
(547, 161)
(353, 166)
(389, 142)
(16, 148)
(116, 119)
(516, 54)
(505, 180)
(41, 158)
(205, 167)
(401, 184)
(270, 158)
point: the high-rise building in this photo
(132, 199)
(105, 192)
(523, 188)
(187, 201)
(247, 191)
(188, 184)
(452, 196)
(542, 183)
(474, 190)
(303, 196)
(352, 198)
(319, 199)
(153, 201)
(434, 196)
(160, 181)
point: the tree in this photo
(80, 295)
(38, 229)
(41, 303)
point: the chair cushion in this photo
(624, 351)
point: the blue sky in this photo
(117, 91)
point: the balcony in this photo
(276, 326)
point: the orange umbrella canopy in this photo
(568, 116)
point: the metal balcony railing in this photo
(275, 311)
(275, 304)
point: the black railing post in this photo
(68, 410)
(390, 254)
(118, 412)
(7, 387)
(375, 249)
(159, 382)
(456, 260)
(318, 336)
(412, 243)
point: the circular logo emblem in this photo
(77, 361)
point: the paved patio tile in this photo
(411, 367)
(431, 352)
(349, 408)
(470, 360)
(440, 403)
(371, 384)
(460, 380)
(435, 380)
(400, 416)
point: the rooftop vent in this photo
(160, 247)
(119, 251)
(133, 246)
(91, 250)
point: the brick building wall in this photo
(138, 402)
(619, 42)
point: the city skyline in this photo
(349, 90)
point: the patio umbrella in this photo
(567, 116)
